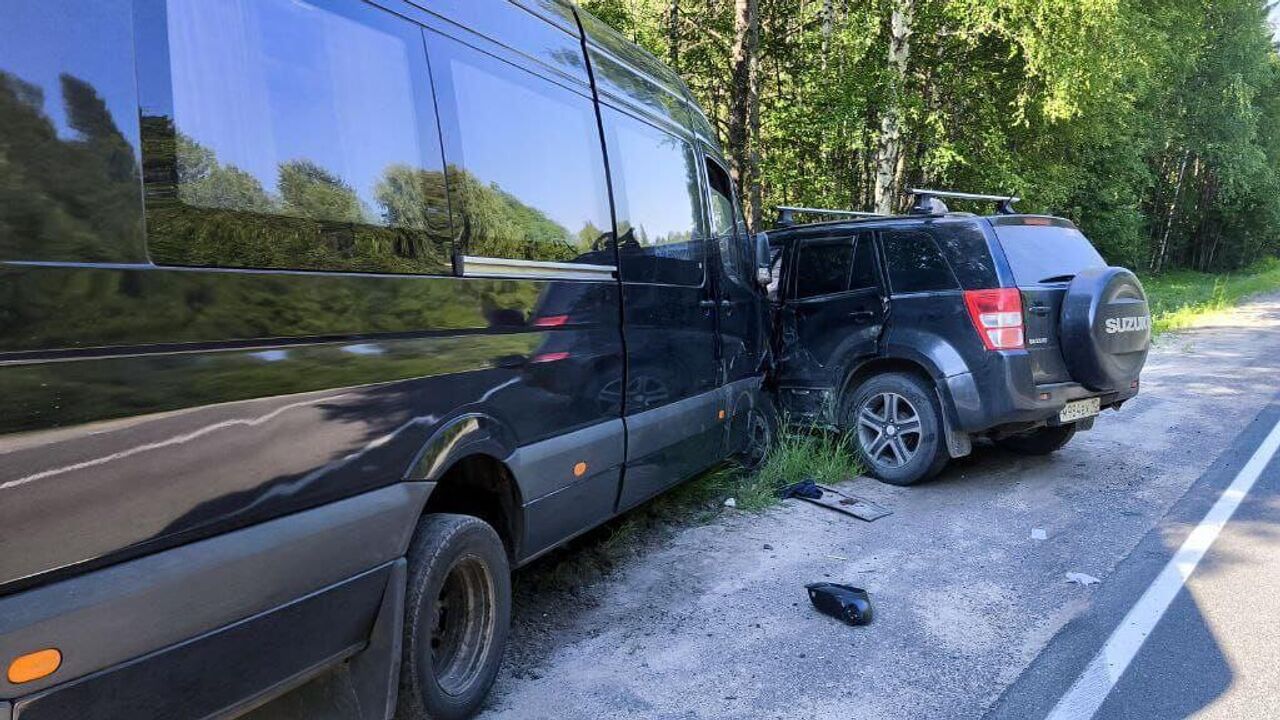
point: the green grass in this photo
(798, 454)
(1178, 298)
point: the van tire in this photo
(867, 419)
(1041, 441)
(454, 560)
(761, 434)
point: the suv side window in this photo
(293, 135)
(526, 169)
(914, 262)
(824, 267)
(656, 191)
(864, 265)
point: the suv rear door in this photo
(1043, 255)
(834, 312)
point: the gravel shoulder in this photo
(712, 621)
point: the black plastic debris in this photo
(846, 603)
(806, 488)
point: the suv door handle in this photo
(1039, 309)
(862, 315)
(708, 304)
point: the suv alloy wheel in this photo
(896, 425)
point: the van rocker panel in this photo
(106, 617)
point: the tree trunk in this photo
(889, 145)
(744, 110)
(673, 34)
(1157, 262)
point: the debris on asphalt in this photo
(849, 604)
(767, 546)
(1039, 534)
(806, 489)
(851, 505)
(1080, 578)
(730, 503)
(837, 557)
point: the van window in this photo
(722, 220)
(524, 157)
(656, 189)
(914, 262)
(295, 135)
(824, 268)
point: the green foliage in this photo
(1181, 297)
(1153, 124)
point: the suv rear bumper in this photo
(1002, 392)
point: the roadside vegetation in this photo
(1154, 125)
(799, 454)
(1180, 297)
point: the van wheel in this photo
(457, 614)
(762, 433)
(1040, 441)
(896, 425)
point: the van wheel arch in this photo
(482, 486)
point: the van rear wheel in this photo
(457, 614)
(896, 425)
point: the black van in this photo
(317, 316)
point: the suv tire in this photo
(457, 614)
(1040, 441)
(896, 425)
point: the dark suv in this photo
(917, 333)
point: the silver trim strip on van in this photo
(474, 266)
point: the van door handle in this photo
(862, 315)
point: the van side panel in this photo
(148, 406)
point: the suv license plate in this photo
(1080, 409)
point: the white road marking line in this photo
(1089, 690)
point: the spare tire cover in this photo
(1105, 328)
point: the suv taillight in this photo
(997, 316)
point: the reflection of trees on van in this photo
(65, 199)
(224, 217)
(496, 223)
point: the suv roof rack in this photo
(925, 202)
(786, 214)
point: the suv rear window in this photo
(1039, 253)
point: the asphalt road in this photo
(974, 617)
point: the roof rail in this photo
(786, 214)
(923, 201)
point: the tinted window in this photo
(655, 183)
(864, 265)
(965, 247)
(914, 263)
(525, 163)
(721, 210)
(1039, 253)
(293, 135)
(69, 133)
(824, 268)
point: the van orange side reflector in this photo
(33, 666)
(580, 469)
(720, 414)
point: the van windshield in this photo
(1040, 254)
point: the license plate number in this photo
(1080, 409)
